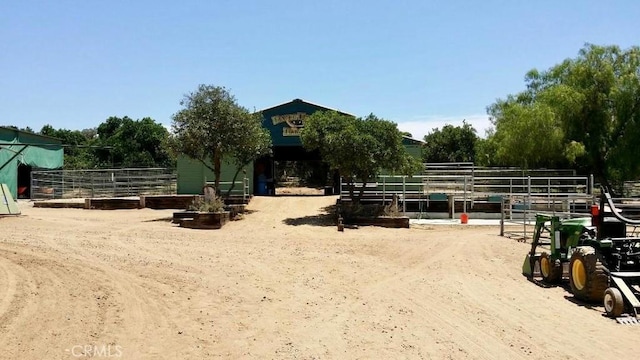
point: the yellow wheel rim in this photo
(545, 267)
(579, 274)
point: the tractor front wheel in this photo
(550, 271)
(587, 275)
(613, 302)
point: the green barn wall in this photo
(414, 150)
(192, 175)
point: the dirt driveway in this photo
(282, 283)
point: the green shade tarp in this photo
(19, 147)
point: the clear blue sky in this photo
(421, 64)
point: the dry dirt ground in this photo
(282, 283)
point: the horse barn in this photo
(20, 153)
(284, 123)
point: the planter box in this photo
(160, 202)
(382, 221)
(111, 204)
(59, 204)
(183, 215)
(203, 220)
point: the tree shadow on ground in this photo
(328, 218)
(170, 218)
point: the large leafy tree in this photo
(485, 150)
(77, 151)
(132, 143)
(589, 108)
(358, 148)
(451, 144)
(212, 127)
(25, 129)
(527, 135)
(120, 142)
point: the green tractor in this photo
(600, 261)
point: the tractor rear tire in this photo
(587, 275)
(613, 302)
(550, 271)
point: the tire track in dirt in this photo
(432, 310)
(537, 304)
(147, 291)
(118, 307)
(12, 285)
(521, 304)
(51, 302)
(354, 304)
(424, 275)
(154, 288)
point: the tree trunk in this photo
(233, 182)
(217, 165)
(602, 175)
(361, 192)
(204, 162)
(351, 185)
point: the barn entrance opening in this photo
(24, 181)
(292, 170)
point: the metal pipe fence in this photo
(65, 184)
(469, 188)
(520, 211)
